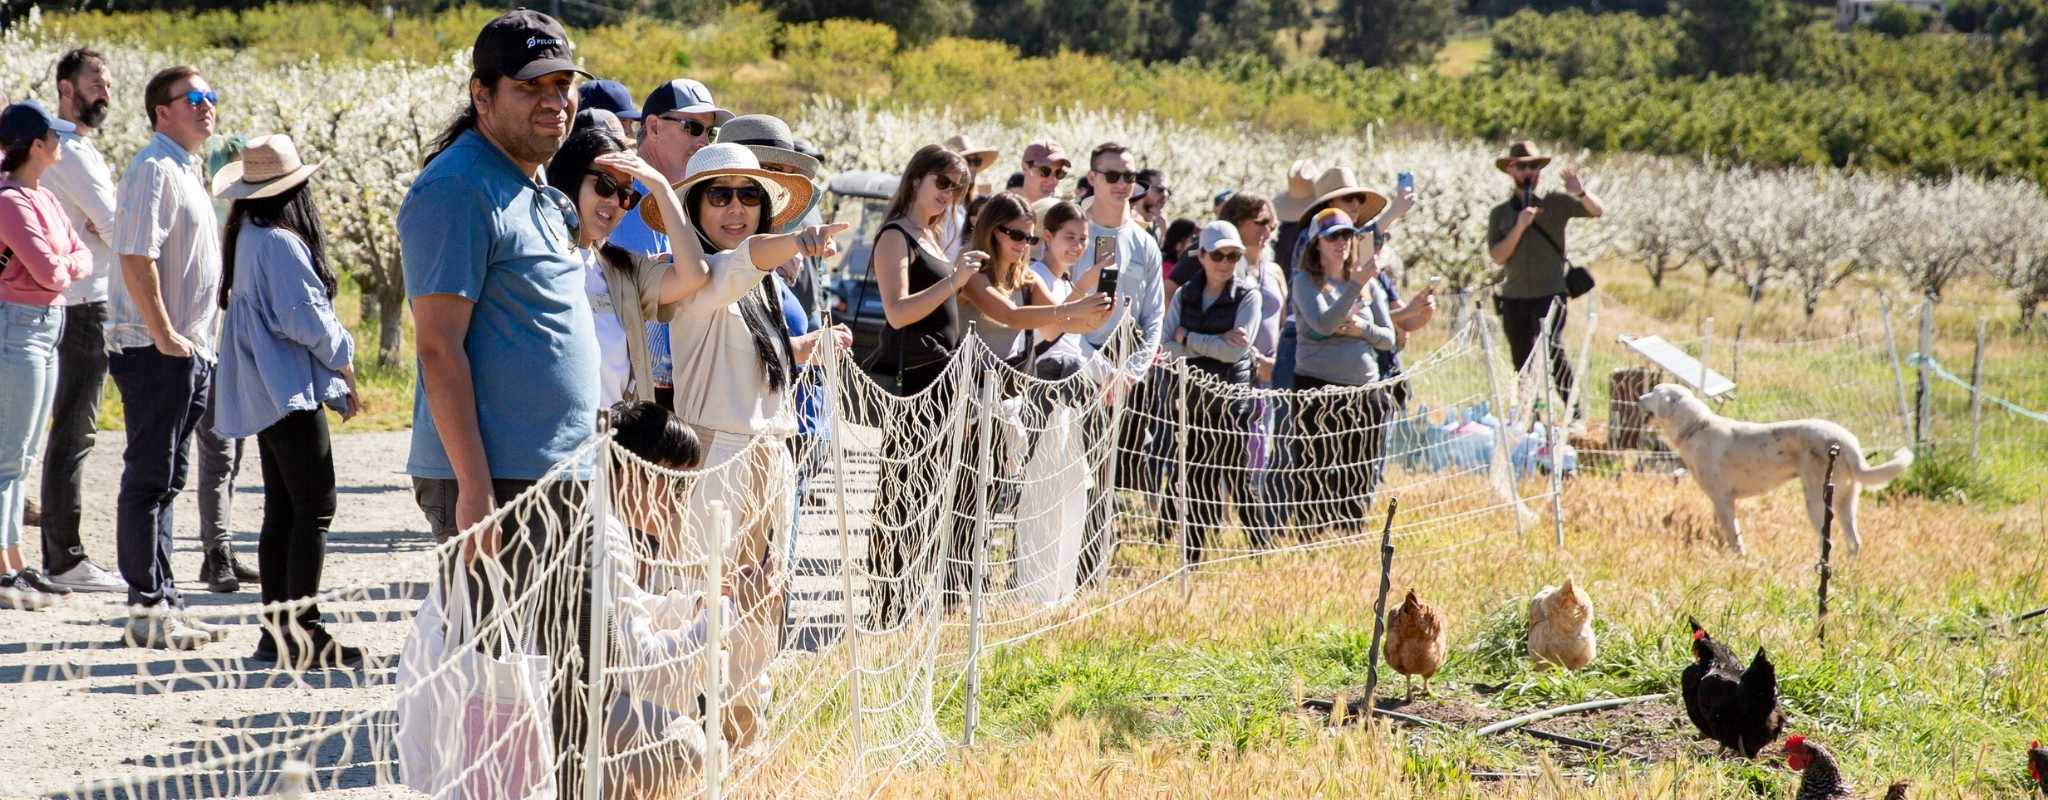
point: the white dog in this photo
(1733, 459)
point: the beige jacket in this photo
(643, 286)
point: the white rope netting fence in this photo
(804, 618)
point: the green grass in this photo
(1464, 56)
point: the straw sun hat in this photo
(270, 166)
(789, 195)
(1341, 182)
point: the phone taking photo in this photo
(1405, 182)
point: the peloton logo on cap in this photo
(536, 41)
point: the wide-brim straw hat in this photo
(789, 194)
(1301, 191)
(1522, 152)
(1338, 182)
(977, 156)
(270, 166)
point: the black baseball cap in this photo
(523, 45)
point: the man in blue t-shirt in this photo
(508, 368)
(678, 119)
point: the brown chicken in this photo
(1415, 641)
(1561, 626)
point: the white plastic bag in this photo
(473, 725)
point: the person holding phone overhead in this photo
(1118, 246)
(920, 290)
(1525, 235)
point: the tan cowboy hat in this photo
(1522, 152)
(977, 157)
(789, 194)
(270, 165)
(1301, 191)
(1341, 182)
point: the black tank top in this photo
(930, 339)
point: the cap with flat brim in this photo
(790, 195)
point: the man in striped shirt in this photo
(160, 344)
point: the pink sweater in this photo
(47, 255)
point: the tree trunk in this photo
(390, 316)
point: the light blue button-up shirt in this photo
(281, 347)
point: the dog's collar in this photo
(1697, 426)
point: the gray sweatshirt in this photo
(1318, 312)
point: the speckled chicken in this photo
(1561, 626)
(1818, 777)
(1735, 707)
(1415, 641)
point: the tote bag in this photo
(473, 725)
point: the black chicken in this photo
(1733, 706)
(2037, 765)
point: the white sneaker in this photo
(214, 632)
(89, 577)
(164, 632)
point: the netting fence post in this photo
(714, 649)
(1180, 467)
(1976, 391)
(1706, 342)
(1923, 419)
(984, 482)
(849, 609)
(1891, 343)
(1550, 388)
(1573, 394)
(1497, 468)
(600, 600)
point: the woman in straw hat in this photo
(284, 358)
(734, 371)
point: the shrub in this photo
(1899, 21)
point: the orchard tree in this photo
(1379, 33)
(1733, 37)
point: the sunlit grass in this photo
(1463, 56)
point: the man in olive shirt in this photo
(1526, 237)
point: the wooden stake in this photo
(1827, 523)
(1976, 391)
(1379, 607)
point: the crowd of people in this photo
(571, 257)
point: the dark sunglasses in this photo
(947, 183)
(1263, 222)
(1049, 172)
(1115, 177)
(722, 196)
(691, 126)
(1230, 257)
(627, 195)
(1017, 236)
(195, 97)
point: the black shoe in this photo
(32, 578)
(326, 653)
(242, 572)
(266, 649)
(219, 573)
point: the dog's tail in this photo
(1876, 477)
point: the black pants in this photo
(298, 508)
(546, 543)
(899, 547)
(74, 421)
(1219, 433)
(1521, 318)
(1340, 454)
(1136, 458)
(163, 398)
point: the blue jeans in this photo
(28, 383)
(163, 399)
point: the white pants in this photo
(751, 478)
(1052, 511)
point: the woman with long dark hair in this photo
(284, 358)
(596, 171)
(920, 288)
(735, 368)
(40, 256)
